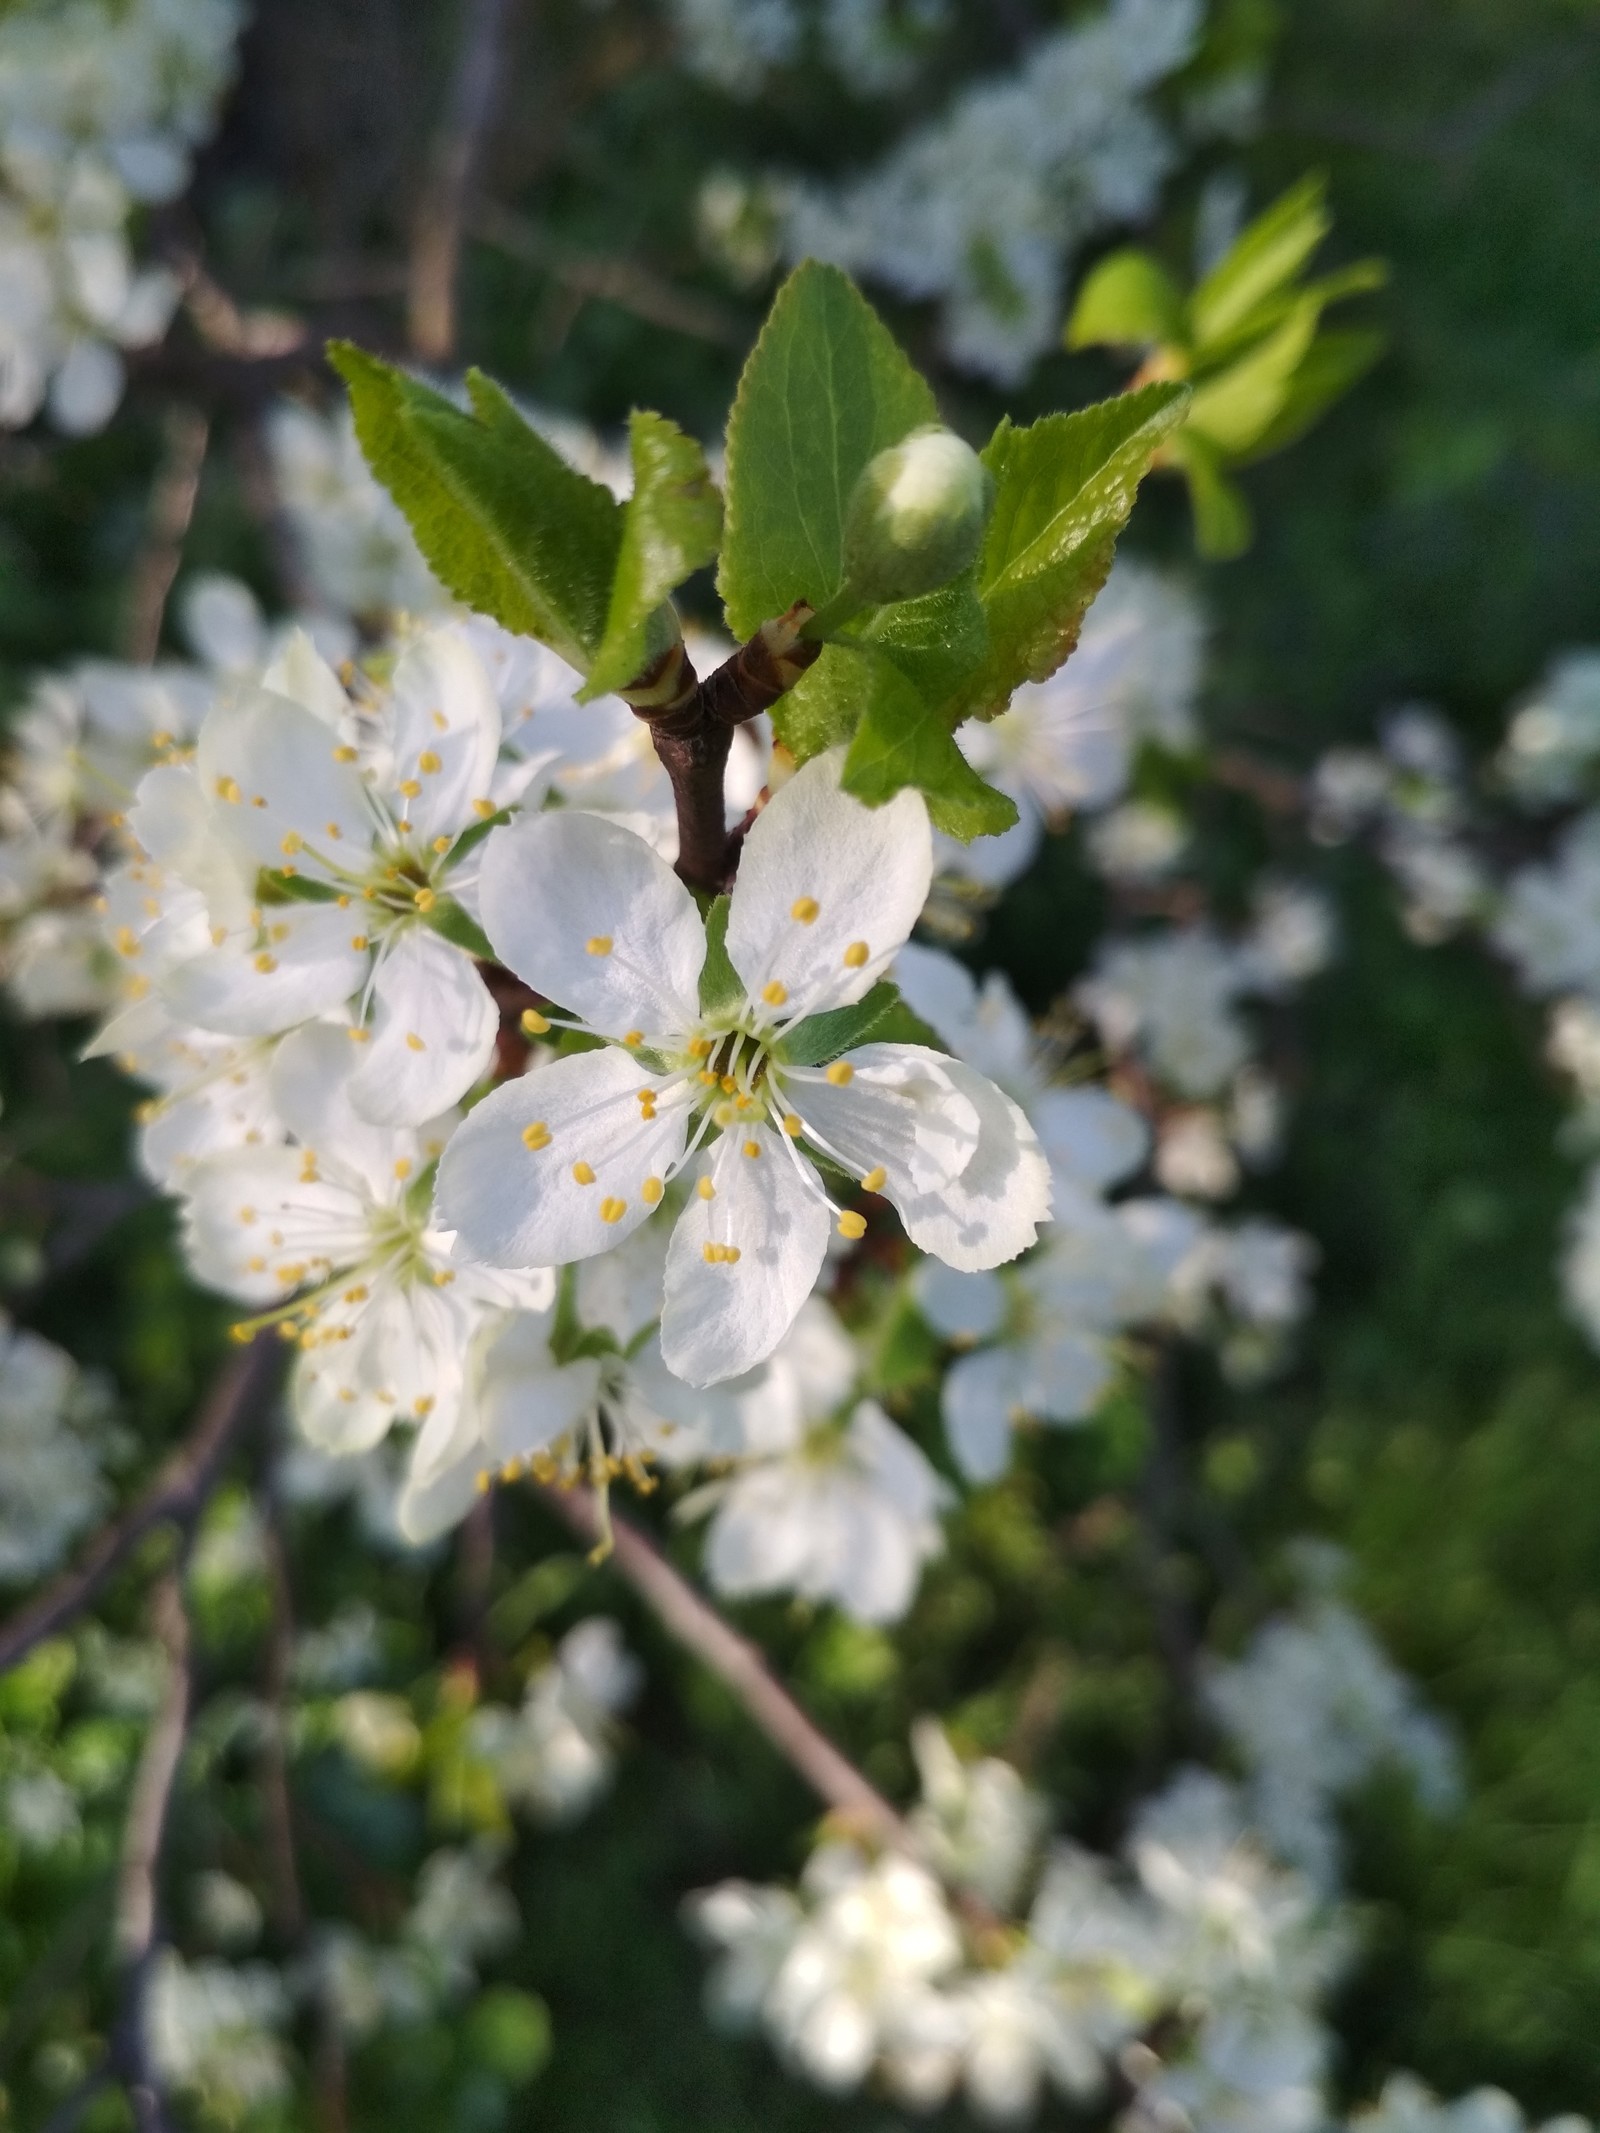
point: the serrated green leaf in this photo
(1063, 491)
(904, 739)
(937, 642)
(825, 390)
(671, 527)
(823, 1037)
(1236, 408)
(505, 524)
(1268, 253)
(1128, 301)
(722, 990)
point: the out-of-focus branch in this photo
(177, 1493)
(172, 501)
(596, 276)
(436, 234)
(138, 1908)
(736, 1661)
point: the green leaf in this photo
(722, 990)
(505, 524)
(1063, 491)
(823, 1037)
(937, 642)
(1222, 522)
(1234, 409)
(671, 527)
(825, 390)
(454, 923)
(904, 739)
(1128, 301)
(1268, 253)
(1333, 363)
(275, 885)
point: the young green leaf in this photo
(937, 642)
(1234, 409)
(1334, 362)
(825, 390)
(671, 526)
(840, 1029)
(1223, 524)
(721, 988)
(1064, 489)
(1128, 301)
(505, 524)
(906, 739)
(1268, 253)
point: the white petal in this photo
(252, 987)
(763, 1535)
(310, 1080)
(432, 1032)
(963, 1307)
(516, 1206)
(981, 1398)
(302, 674)
(526, 1400)
(296, 803)
(717, 1318)
(865, 869)
(334, 1415)
(992, 1211)
(902, 1110)
(1089, 1135)
(555, 883)
(1067, 1373)
(446, 731)
(253, 1224)
(431, 1507)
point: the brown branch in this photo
(176, 1494)
(172, 501)
(736, 1661)
(600, 278)
(436, 234)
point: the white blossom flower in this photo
(553, 1757)
(1175, 996)
(1553, 739)
(217, 2030)
(334, 1235)
(1406, 2105)
(52, 1444)
(1549, 923)
(564, 1162)
(979, 1823)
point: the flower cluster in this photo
(101, 107)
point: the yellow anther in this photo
(774, 994)
(743, 1103)
(359, 940)
(700, 1047)
(706, 1078)
(792, 1125)
(290, 843)
(443, 1276)
(127, 941)
(730, 1255)
(357, 1295)
(360, 1036)
(632, 1037)
(411, 787)
(582, 1174)
(266, 964)
(645, 1096)
(440, 723)
(343, 902)
(852, 1225)
(719, 1254)
(533, 1023)
(309, 1174)
(598, 944)
(228, 789)
(706, 1189)
(651, 1190)
(247, 1215)
(728, 1084)
(344, 755)
(723, 1114)
(752, 1148)
(805, 909)
(856, 954)
(428, 763)
(536, 1136)
(483, 809)
(402, 1167)
(414, 1043)
(613, 1210)
(291, 1276)
(333, 831)
(875, 1179)
(484, 1483)
(426, 899)
(256, 1266)
(442, 844)
(841, 1073)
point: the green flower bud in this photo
(915, 518)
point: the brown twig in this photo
(600, 278)
(177, 1493)
(436, 234)
(172, 501)
(736, 1661)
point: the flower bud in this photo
(916, 516)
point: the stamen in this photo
(705, 1189)
(582, 1174)
(852, 1225)
(875, 1179)
(804, 909)
(775, 994)
(651, 1190)
(414, 1042)
(856, 954)
(533, 1023)
(536, 1135)
(598, 944)
(841, 1074)
(613, 1210)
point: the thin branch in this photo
(600, 278)
(172, 501)
(176, 1493)
(138, 1910)
(436, 235)
(736, 1662)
